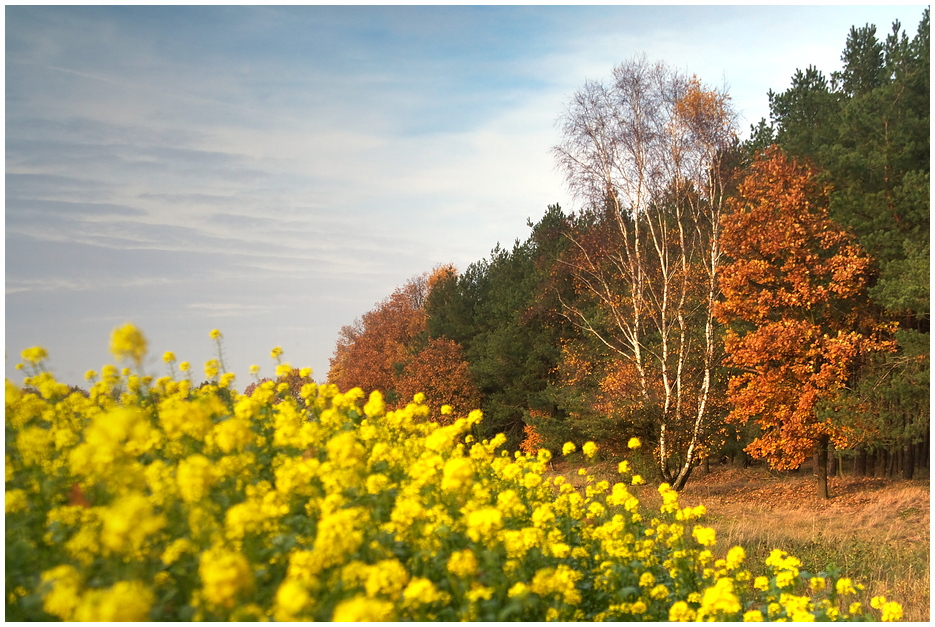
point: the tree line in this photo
(713, 296)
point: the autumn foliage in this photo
(439, 371)
(792, 294)
(389, 350)
(709, 294)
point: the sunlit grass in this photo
(878, 531)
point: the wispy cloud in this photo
(225, 310)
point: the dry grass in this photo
(877, 531)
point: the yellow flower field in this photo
(154, 500)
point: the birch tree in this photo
(646, 154)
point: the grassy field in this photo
(876, 530)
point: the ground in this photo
(876, 530)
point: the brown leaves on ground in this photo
(769, 491)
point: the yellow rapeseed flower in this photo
(375, 406)
(891, 612)
(680, 612)
(735, 557)
(785, 578)
(128, 523)
(125, 601)
(719, 600)
(64, 585)
(457, 474)
(175, 550)
(362, 609)
(34, 355)
(483, 523)
(633, 443)
(211, 368)
(423, 591)
(292, 597)
(531, 479)
(316, 496)
(518, 589)
(386, 577)
(194, 477)
(844, 586)
(16, 501)
(462, 564)
(225, 574)
(706, 536)
(127, 342)
(376, 483)
(559, 580)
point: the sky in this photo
(274, 172)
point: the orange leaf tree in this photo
(793, 295)
(440, 371)
(389, 349)
(370, 352)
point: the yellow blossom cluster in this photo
(149, 500)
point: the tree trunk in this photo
(871, 469)
(682, 478)
(909, 461)
(860, 462)
(833, 463)
(821, 467)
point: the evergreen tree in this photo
(501, 310)
(868, 130)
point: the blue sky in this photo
(275, 172)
